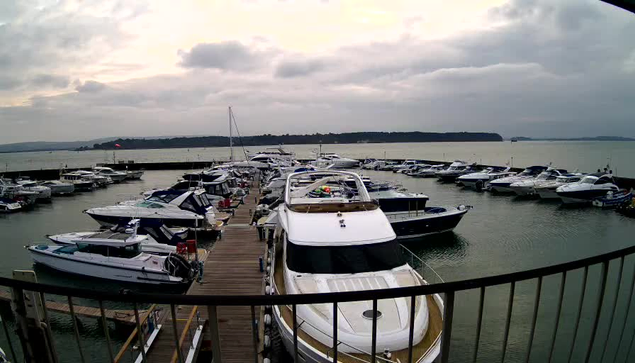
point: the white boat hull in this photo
(116, 273)
(547, 193)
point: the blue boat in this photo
(614, 200)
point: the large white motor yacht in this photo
(191, 209)
(586, 190)
(330, 242)
(526, 187)
(58, 187)
(479, 180)
(502, 185)
(547, 190)
(44, 193)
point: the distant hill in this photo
(595, 138)
(49, 145)
(268, 139)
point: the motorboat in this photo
(388, 166)
(407, 164)
(429, 172)
(116, 176)
(191, 209)
(17, 194)
(479, 180)
(426, 221)
(547, 190)
(414, 170)
(273, 152)
(44, 193)
(589, 188)
(393, 200)
(526, 187)
(115, 259)
(154, 237)
(502, 185)
(334, 161)
(58, 187)
(455, 170)
(614, 199)
(101, 181)
(134, 174)
(331, 243)
(9, 205)
(80, 181)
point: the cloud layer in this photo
(537, 68)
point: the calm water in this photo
(584, 156)
(501, 234)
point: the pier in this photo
(232, 268)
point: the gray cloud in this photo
(52, 80)
(90, 87)
(229, 55)
(289, 68)
(545, 69)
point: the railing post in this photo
(373, 348)
(508, 319)
(295, 333)
(335, 316)
(558, 311)
(479, 323)
(213, 328)
(600, 300)
(628, 309)
(179, 353)
(448, 313)
(106, 333)
(19, 309)
(612, 316)
(411, 332)
(75, 328)
(534, 318)
(579, 315)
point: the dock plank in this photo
(231, 268)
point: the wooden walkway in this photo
(232, 268)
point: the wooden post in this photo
(214, 332)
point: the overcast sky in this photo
(75, 70)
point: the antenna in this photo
(231, 140)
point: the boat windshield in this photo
(589, 180)
(164, 198)
(129, 251)
(344, 259)
(149, 204)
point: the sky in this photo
(80, 70)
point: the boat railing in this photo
(419, 265)
(593, 319)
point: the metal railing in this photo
(596, 307)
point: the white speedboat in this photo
(115, 259)
(116, 176)
(134, 174)
(502, 185)
(526, 187)
(100, 181)
(586, 190)
(429, 172)
(191, 209)
(9, 205)
(455, 170)
(17, 193)
(58, 187)
(407, 164)
(334, 161)
(547, 190)
(334, 244)
(479, 180)
(44, 193)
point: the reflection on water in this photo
(451, 246)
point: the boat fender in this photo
(387, 353)
(266, 360)
(268, 270)
(261, 264)
(267, 320)
(268, 290)
(267, 341)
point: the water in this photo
(585, 156)
(501, 234)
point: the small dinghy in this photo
(614, 200)
(426, 221)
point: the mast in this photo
(231, 140)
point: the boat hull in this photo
(581, 196)
(78, 267)
(414, 225)
(547, 193)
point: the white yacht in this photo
(134, 174)
(502, 185)
(79, 180)
(9, 205)
(17, 193)
(115, 259)
(58, 187)
(334, 244)
(429, 172)
(586, 190)
(479, 180)
(116, 176)
(191, 209)
(455, 170)
(334, 161)
(44, 193)
(547, 190)
(526, 187)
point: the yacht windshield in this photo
(164, 198)
(589, 180)
(344, 259)
(148, 204)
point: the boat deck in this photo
(232, 268)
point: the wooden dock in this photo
(232, 268)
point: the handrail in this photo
(134, 333)
(186, 328)
(318, 298)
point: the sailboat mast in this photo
(231, 140)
